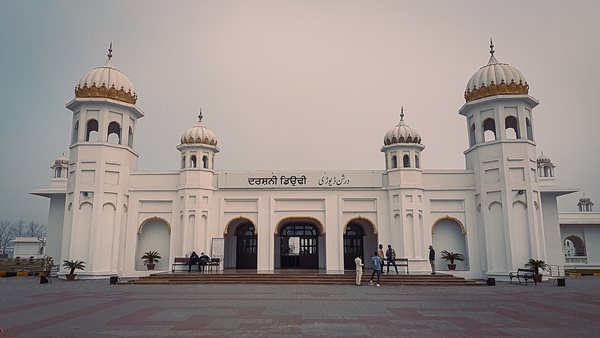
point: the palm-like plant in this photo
(151, 257)
(74, 265)
(450, 256)
(536, 265)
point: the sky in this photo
(294, 84)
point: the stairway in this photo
(298, 277)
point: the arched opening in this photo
(394, 162)
(154, 234)
(130, 138)
(205, 162)
(91, 131)
(299, 245)
(576, 246)
(417, 163)
(512, 128)
(246, 246)
(353, 245)
(529, 129)
(489, 130)
(58, 172)
(546, 171)
(193, 161)
(182, 161)
(472, 135)
(447, 234)
(114, 133)
(75, 133)
(406, 161)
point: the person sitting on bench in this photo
(194, 259)
(203, 261)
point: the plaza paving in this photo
(97, 309)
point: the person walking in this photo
(432, 259)
(380, 254)
(390, 254)
(359, 269)
(377, 266)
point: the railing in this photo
(576, 260)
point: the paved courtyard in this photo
(97, 309)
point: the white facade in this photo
(498, 212)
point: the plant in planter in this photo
(450, 257)
(537, 265)
(73, 265)
(150, 259)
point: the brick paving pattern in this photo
(97, 309)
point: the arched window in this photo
(394, 162)
(91, 131)
(183, 162)
(472, 135)
(130, 138)
(75, 134)
(512, 128)
(205, 162)
(417, 164)
(529, 129)
(489, 130)
(114, 133)
(406, 161)
(57, 172)
(193, 161)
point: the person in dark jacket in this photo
(390, 254)
(432, 259)
(193, 260)
(203, 261)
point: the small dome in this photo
(495, 78)
(106, 82)
(199, 134)
(61, 160)
(542, 159)
(402, 133)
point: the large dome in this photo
(106, 82)
(402, 133)
(495, 78)
(199, 134)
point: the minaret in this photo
(101, 160)
(502, 156)
(585, 204)
(402, 148)
(198, 147)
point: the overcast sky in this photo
(294, 84)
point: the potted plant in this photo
(73, 265)
(536, 265)
(150, 259)
(450, 256)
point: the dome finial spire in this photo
(200, 116)
(402, 113)
(492, 47)
(110, 51)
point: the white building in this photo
(499, 212)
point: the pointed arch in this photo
(362, 221)
(237, 221)
(300, 219)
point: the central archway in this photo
(299, 244)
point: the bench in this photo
(184, 261)
(401, 262)
(526, 274)
(178, 261)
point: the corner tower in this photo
(101, 159)
(502, 156)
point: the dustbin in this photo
(490, 281)
(560, 282)
(114, 279)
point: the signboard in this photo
(218, 248)
(304, 179)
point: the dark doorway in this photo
(246, 247)
(299, 246)
(353, 245)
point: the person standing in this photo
(359, 269)
(377, 265)
(380, 254)
(390, 254)
(432, 259)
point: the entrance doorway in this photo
(353, 245)
(299, 248)
(246, 247)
